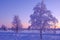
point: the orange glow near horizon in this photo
(58, 25)
(25, 25)
(9, 25)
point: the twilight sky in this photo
(24, 8)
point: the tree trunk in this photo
(40, 34)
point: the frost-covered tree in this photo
(16, 23)
(3, 27)
(42, 18)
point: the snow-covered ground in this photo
(28, 35)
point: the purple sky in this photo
(24, 8)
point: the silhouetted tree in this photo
(28, 28)
(42, 18)
(3, 27)
(16, 24)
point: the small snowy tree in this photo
(16, 23)
(3, 27)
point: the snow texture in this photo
(28, 35)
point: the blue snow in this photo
(27, 35)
